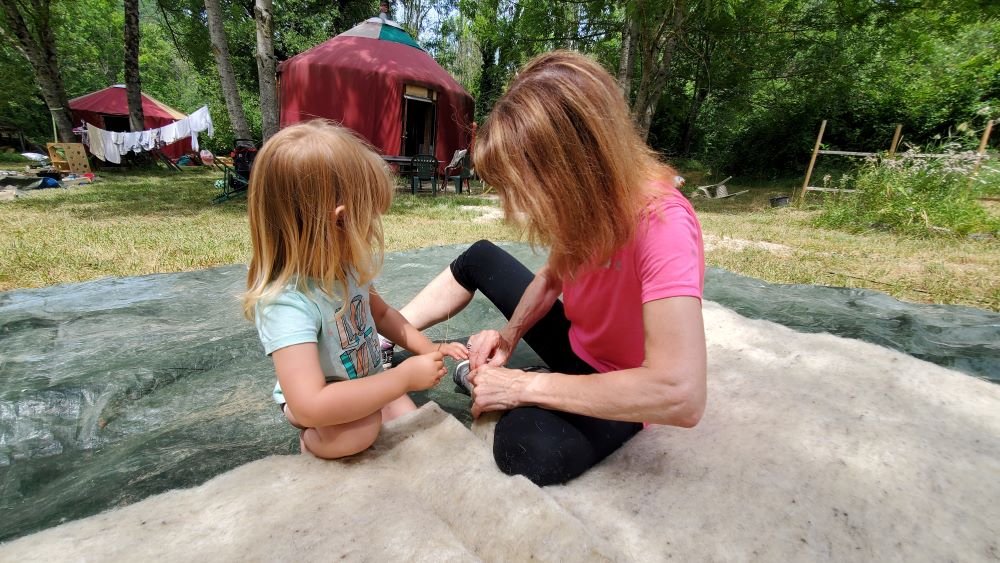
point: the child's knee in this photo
(398, 408)
(291, 417)
(342, 440)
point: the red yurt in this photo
(108, 110)
(375, 79)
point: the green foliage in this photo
(748, 85)
(915, 196)
(21, 105)
(774, 70)
(13, 158)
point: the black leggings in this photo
(546, 446)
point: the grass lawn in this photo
(140, 223)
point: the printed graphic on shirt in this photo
(359, 341)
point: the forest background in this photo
(738, 86)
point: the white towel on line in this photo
(110, 145)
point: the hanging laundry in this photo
(168, 134)
(112, 150)
(110, 145)
(130, 142)
(200, 120)
(95, 141)
(149, 139)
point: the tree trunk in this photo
(489, 87)
(415, 12)
(702, 88)
(572, 26)
(265, 69)
(340, 20)
(230, 91)
(626, 63)
(133, 87)
(700, 94)
(41, 55)
(657, 56)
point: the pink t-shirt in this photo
(604, 306)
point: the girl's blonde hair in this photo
(299, 178)
(561, 150)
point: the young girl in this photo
(316, 198)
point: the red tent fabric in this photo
(108, 110)
(359, 79)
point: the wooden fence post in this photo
(812, 161)
(982, 147)
(895, 140)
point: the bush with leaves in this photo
(916, 196)
(12, 158)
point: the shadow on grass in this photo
(757, 199)
(441, 207)
(136, 193)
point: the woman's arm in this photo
(316, 403)
(495, 347)
(668, 388)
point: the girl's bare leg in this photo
(291, 419)
(398, 408)
(440, 300)
(341, 440)
(350, 439)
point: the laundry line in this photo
(109, 146)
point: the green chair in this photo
(423, 167)
(233, 184)
(237, 178)
(462, 164)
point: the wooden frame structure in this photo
(896, 137)
(70, 158)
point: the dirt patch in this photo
(10, 193)
(991, 205)
(715, 242)
(486, 214)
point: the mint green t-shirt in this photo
(348, 345)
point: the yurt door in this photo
(419, 121)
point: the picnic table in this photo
(401, 163)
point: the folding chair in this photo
(461, 162)
(237, 177)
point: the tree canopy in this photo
(740, 85)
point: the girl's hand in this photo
(454, 350)
(497, 389)
(423, 371)
(489, 347)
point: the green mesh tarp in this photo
(120, 388)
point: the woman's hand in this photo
(423, 371)
(454, 350)
(497, 389)
(489, 347)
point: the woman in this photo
(627, 345)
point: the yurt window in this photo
(419, 120)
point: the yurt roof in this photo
(114, 101)
(377, 46)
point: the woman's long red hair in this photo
(563, 153)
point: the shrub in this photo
(916, 196)
(12, 157)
